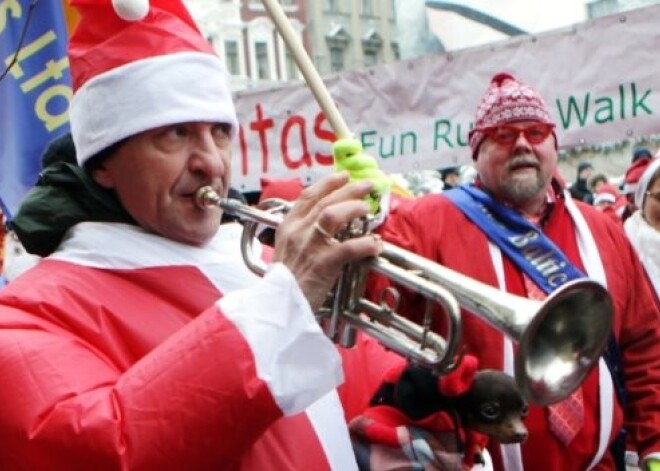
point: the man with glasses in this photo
(517, 228)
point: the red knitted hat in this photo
(506, 101)
(138, 65)
(634, 173)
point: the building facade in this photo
(246, 39)
(337, 34)
(349, 34)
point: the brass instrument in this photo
(559, 339)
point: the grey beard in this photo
(519, 190)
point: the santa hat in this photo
(506, 101)
(602, 198)
(138, 65)
(633, 174)
(288, 189)
(607, 193)
(644, 181)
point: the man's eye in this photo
(506, 135)
(222, 130)
(221, 133)
(179, 131)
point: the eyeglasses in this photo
(655, 196)
(506, 134)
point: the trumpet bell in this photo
(563, 341)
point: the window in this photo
(332, 5)
(231, 57)
(291, 67)
(367, 8)
(370, 58)
(336, 59)
(395, 50)
(337, 40)
(372, 43)
(261, 54)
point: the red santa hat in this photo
(607, 193)
(506, 101)
(138, 65)
(633, 174)
(288, 189)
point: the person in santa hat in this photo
(610, 201)
(643, 226)
(518, 197)
(630, 180)
(141, 341)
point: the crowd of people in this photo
(137, 339)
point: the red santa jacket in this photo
(120, 352)
(433, 227)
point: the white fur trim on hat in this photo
(604, 198)
(146, 94)
(642, 186)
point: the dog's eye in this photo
(491, 411)
(524, 410)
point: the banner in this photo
(35, 92)
(598, 78)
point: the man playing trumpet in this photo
(141, 341)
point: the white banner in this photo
(599, 80)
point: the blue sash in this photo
(523, 242)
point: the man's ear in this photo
(103, 176)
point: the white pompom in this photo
(131, 10)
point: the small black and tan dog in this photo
(492, 405)
(463, 411)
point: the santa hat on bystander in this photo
(506, 101)
(633, 174)
(287, 189)
(138, 65)
(607, 193)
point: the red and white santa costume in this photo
(124, 350)
(433, 227)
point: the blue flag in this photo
(34, 94)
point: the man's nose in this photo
(521, 141)
(207, 158)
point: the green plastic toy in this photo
(349, 156)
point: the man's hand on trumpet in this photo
(305, 240)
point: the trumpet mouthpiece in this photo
(206, 196)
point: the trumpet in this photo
(559, 339)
